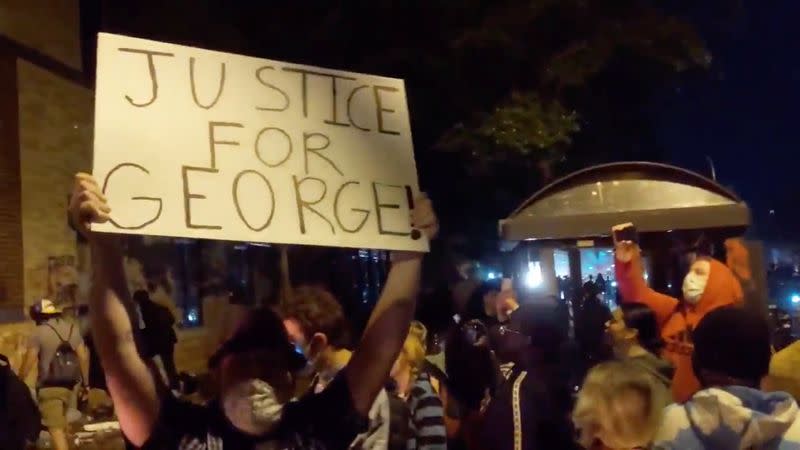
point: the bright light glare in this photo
(613, 284)
(796, 298)
(533, 278)
(491, 276)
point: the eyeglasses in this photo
(506, 330)
(475, 331)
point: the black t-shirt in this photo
(324, 421)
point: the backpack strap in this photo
(63, 341)
(55, 331)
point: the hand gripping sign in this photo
(202, 144)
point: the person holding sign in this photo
(255, 366)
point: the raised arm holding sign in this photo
(194, 143)
(258, 356)
(202, 144)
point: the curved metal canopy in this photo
(655, 197)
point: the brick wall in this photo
(45, 137)
(11, 286)
(55, 121)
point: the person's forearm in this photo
(130, 382)
(401, 287)
(109, 311)
(385, 333)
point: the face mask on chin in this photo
(252, 406)
(693, 287)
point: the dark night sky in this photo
(742, 113)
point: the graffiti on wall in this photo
(62, 280)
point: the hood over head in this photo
(722, 289)
(742, 418)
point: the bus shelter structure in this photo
(672, 208)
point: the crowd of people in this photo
(503, 372)
(69, 384)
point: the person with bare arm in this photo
(255, 366)
(57, 348)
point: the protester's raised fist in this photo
(423, 218)
(88, 204)
(623, 250)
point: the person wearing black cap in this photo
(255, 366)
(731, 356)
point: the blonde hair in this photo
(620, 403)
(414, 347)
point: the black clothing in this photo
(158, 323)
(97, 378)
(323, 421)
(20, 420)
(590, 329)
(542, 402)
(160, 337)
(261, 328)
(600, 283)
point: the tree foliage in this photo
(556, 50)
(503, 94)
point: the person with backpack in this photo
(413, 385)
(57, 348)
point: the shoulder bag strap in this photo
(517, 410)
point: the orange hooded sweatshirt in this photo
(722, 289)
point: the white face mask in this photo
(252, 406)
(694, 285)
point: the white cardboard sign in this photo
(203, 144)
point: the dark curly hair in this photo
(471, 367)
(317, 311)
(640, 317)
